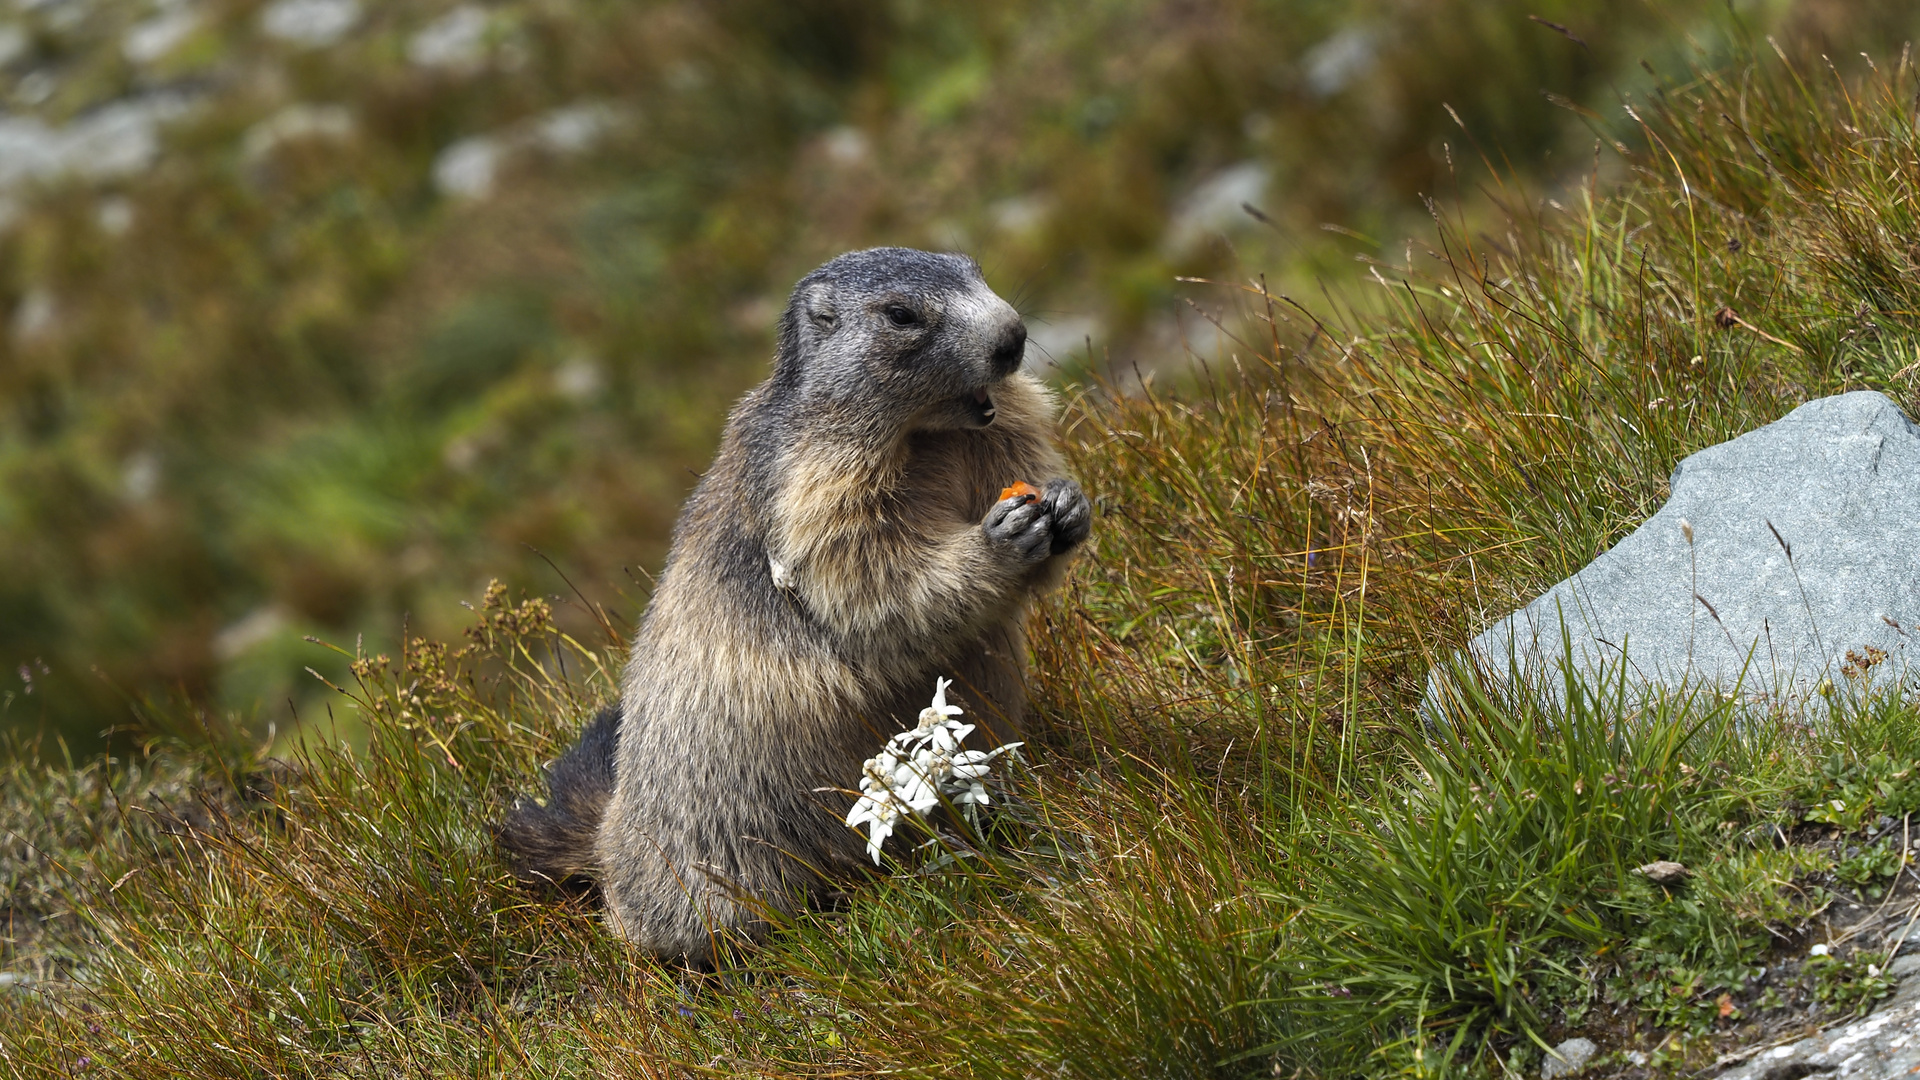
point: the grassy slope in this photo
(1215, 867)
(304, 392)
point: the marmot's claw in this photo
(1070, 511)
(1022, 524)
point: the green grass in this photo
(1238, 849)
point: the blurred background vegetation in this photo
(316, 315)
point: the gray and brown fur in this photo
(845, 549)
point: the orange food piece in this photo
(1024, 490)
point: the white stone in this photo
(457, 39)
(13, 44)
(140, 476)
(1335, 63)
(579, 378)
(467, 168)
(1021, 213)
(34, 316)
(1567, 1058)
(114, 215)
(296, 123)
(258, 626)
(114, 141)
(1217, 205)
(153, 38)
(118, 140)
(846, 146)
(574, 129)
(309, 23)
(28, 149)
(35, 87)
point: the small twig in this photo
(1738, 1056)
(1561, 30)
(1894, 949)
(1911, 917)
(1905, 837)
(1726, 319)
(1804, 602)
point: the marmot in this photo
(845, 549)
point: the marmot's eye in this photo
(902, 315)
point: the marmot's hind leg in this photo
(556, 842)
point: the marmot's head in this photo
(906, 339)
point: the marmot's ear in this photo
(817, 302)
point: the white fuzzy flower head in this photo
(919, 768)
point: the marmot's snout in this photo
(1010, 349)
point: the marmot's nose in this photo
(1010, 349)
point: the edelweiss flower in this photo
(917, 768)
(878, 811)
(938, 712)
(973, 764)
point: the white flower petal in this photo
(971, 795)
(881, 830)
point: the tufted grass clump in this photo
(1494, 885)
(1239, 846)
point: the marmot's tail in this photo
(555, 842)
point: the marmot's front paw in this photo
(1021, 523)
(1072, 515)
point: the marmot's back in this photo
(843, 551)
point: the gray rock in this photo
(309, 23)
(1776, 553)
(1883, 1046)
(14, 43)
(296, 123)
(1214, 207)
(468, 168)
(1567, 1059)
(1336, 63)
(456, 40)
(153, 38)
(111, 142)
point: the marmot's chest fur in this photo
(846, 548)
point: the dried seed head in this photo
(1781, 540)
(1686, 529)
